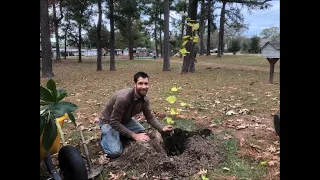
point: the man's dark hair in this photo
(140, 74)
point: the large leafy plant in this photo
(52, 107)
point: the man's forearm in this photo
(116, 125)
(155, 123)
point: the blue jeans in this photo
(110, 138)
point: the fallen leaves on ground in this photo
(117, 175)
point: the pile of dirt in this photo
(170, 157)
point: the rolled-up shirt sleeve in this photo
(150, 117)
(116, 117)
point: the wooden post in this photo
(272, 62)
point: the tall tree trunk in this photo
(99, 64)
(166, 57)
(46, 69)
(160, 37)
(65, 44)
(155, 38)
(189, 60)
(202, 27)
(130, 38)
(209, 27)
(79, 43)
(221, 30)
(65, 35)
(112, 58)
(182, 29)
(56, 22)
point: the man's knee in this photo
(114, 154)
(112, 150)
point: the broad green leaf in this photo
(264, 163)
(61, 93)
(49, 134)
(51, 85)
(195, 39)
(60, 108)
(169, 120)
(60, 132)
(195, 26)
(185, 37)
(42, 109)
(183, 104)
(45, 95)
(71, 117)
(174, 89)
(43, 103)
(42, 123)
(203, 177)
(191, 20)
(173, 112)
(183, 51)
(185, 42)
(171, 99)
(190, 24)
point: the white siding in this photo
(270, 52)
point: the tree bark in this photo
(79, 43)
(46, 69)
(56, 22)
(112, 58)
(166, 57)
(160, 39)
(189, 60)
(202, 16)
(155, 37)
(182, 29)
(99, 63)
(209, 27)
(65, 45)
(130, 38)
(221, 31)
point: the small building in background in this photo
(271, 49)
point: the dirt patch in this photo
(170, 157)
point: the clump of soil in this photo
(172, 157)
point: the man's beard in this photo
(142, 93)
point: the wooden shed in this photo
(271, 50)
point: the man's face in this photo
(142, 86)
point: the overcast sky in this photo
(261, 19)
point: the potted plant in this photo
(53, 112)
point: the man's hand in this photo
(143, 137)
(168, 129)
